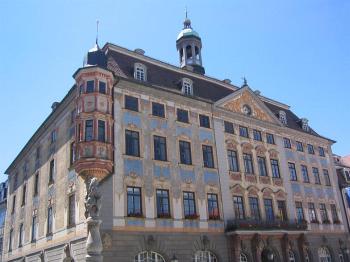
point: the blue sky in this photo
(294, 51)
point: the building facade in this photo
(3, 207)
(190, 168)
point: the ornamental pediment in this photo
(245, 102)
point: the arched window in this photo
(148, 256)
(140, 72)
(204, 256)
(291, 256)
(196, 51)
(324, 255)
(189, 51)
(187, 87)
(243, 258)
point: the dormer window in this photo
(305, 124)
(282, 117)
(187, 88)
(140, 72)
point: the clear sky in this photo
(293, 51)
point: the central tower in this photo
(189, 46)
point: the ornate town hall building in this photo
(146, 161)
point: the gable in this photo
(238, 101)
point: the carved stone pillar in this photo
(257, 247)
(92, 213)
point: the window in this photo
(208, 159)
(213, 207)
(270, 139)
(229, 127)
(81, 89)
(324, 255)
(53, 136)
(269, 210)
(148, 256)
(90, 86)
(299, 211)
(243, 258)
(101, 131)
(326, 177)
(321, 151)
(187, 87)
(305, 174)
(334, 212)
(312, 213)
(52, 171)
(185, 153)
(182, 115)
(262, 166)
(132, 143)
(316, 175)
(243, 131)
(287, 143)
(232, 161)
(24, 195)
(140, 72)
(310, 149)
(275, 168)
(323, 213)
(89, 127)
(204, 121)
(131, 103)
(257, 135)
(36, 184)
(300, 147)
(71, 210)
(248, 163)
(21, 235)
(102, 87)
(134, 202)
(10, 240)
(189, 205)
(34, 228)
(238, 206)
(282, 211)
(254, 208)
(72, 153)
(158, 109)
(13, 204)
(160, 151)
(15, 181)
(37, 153)
(49, 220)
(292, 172)
(163, 206)
(204, 256)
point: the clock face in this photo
(247, 110)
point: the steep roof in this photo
(121, 62)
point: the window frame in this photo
(262, 166)
(136, 209)
(257, 136)
(287, 143)
(254, 207)
(299, 211)
(71, 211)
(49, 225)
(140, 72)
(213, 206)
(316, 174)
(268, 206)
(292, 172)
(89, 130)
(248, 163)
(185, 152)
(275, 168)
(243, 131)
(101, 130)
(160, 145)
(87, 87)
(229, 127)
(270, 139)
(208, 156)
(310, 149)
(158, 109)
(233, 163)
(99, 87)
(187, 87)
(131, 103)
(132, 143)
(160, 201)
(238, 207)
(204, 121)
(189, 205)
(182, 115)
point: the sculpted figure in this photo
(93, 200)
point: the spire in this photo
(245, 82)
(97, 22)
(187, 22)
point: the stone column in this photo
(92, 213)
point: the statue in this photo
(93, 200)
(92, 213)
(68, 257)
